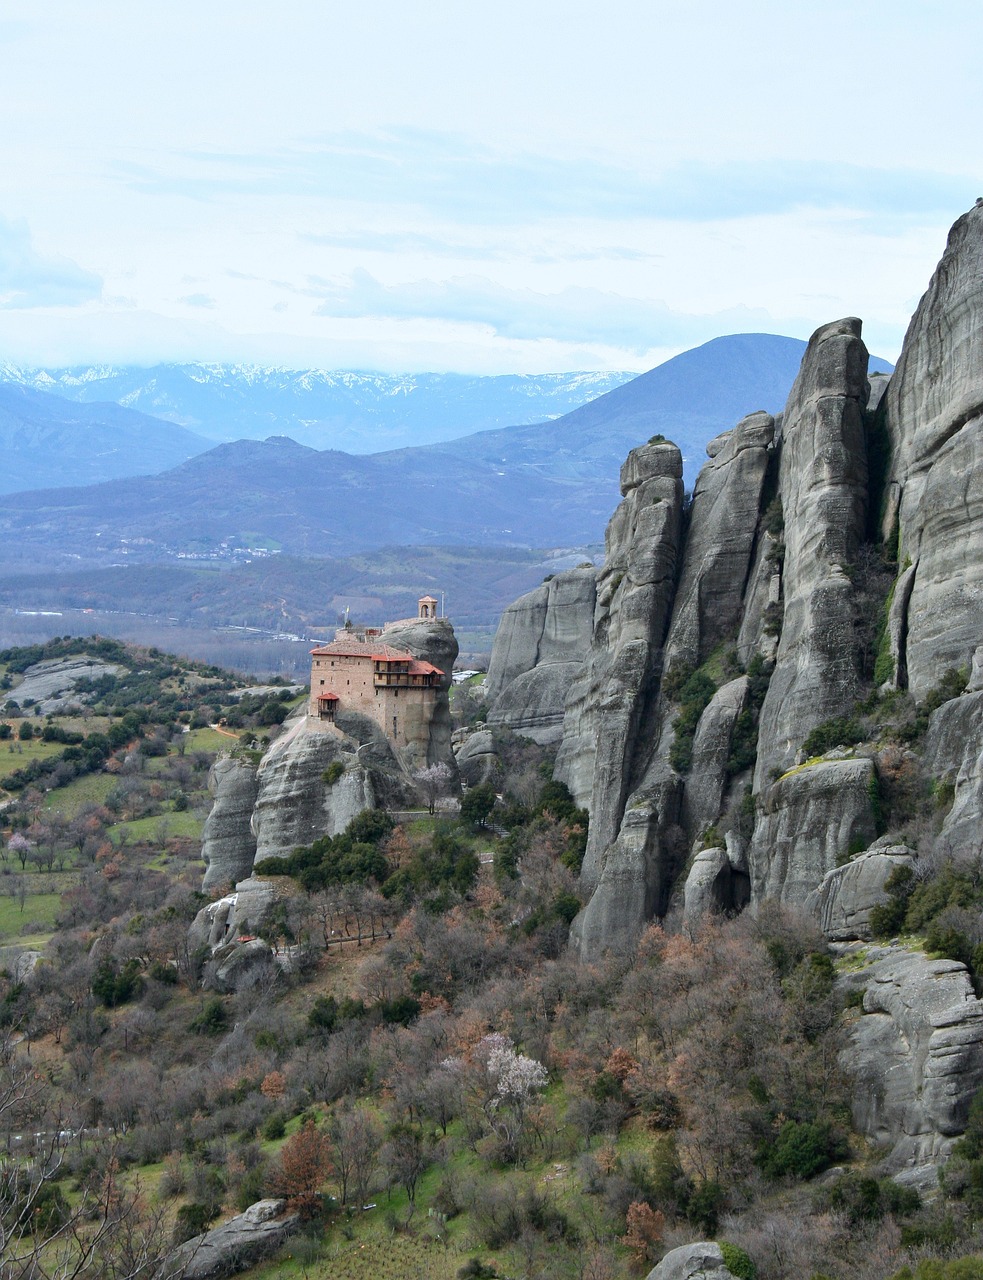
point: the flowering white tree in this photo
(512, 1080)
(433, 781)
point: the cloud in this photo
(29, 279)
(570, 315)
(450, 245)
(198, 300)
(457, 177)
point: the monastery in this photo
(358, 671)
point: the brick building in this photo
(358, 671)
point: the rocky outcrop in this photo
(953, 753)
(823, 489)
(50, 685)
(708, 776)
(717, 881)
(236, 1245)
(541, 644)
(477, 760)
(846, 895)
(228, 846)
(613, 700)
(720, 542)
(915, 1054)
(813, 817)
(611, 712)
(701, 1261)
(294, 803)
(933, 416)
(223, 934)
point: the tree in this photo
(478, 803)
(646, 1227)
(305, 1162)
(433, 781)
(356, 1139)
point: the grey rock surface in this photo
(953, 752)
(812, 817)
(823, 487)
(477, 760)
(708, 778)
(611, 715)
(51, 684)
(540, 646)
(611, 703)
(228, 846)
(846, 895)
(293, 803)
(933, 413)
(700, 1261)
(720, 541)
(916, 1054)
(708, 885)
(236, 1244)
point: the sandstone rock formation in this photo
(933, 419)
(477, 760)
(542, 642)
(701, 1261)
(844, 899)
(228, 845)
(953, 753)
(813, 818)
(236, 1244)
(294, 804)
(823, 489)
(916, 1054)
(50, 685)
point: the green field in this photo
(185, 825)
(39, 909)
(90, 789)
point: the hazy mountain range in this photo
(356, 412)
(551, 484)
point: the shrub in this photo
(274, 1126)
(841, 731)
(737, 1261)
(192, 1220)
(801, 1150)
(333, 772)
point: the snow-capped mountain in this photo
(353, 411)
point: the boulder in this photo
(823, 487)
(228, 846)
(915, 1054)
(236, 1245)
(813, 817)
(701, 1261)
(707, 889)
(477, 760)
(226, 928)
(846, 895)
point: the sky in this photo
(447, 186)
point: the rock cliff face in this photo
(916, 1054)
(228, 844)
(725, 632)
(543, 639)
(933, 419)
